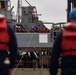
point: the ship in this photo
(35, 40)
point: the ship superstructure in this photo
(33, 37)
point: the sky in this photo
(50, 10)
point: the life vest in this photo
(68, 44)
(4, 36)
(41, 29)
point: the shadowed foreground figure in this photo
(7, 43)
(65, 47)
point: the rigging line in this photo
(22, 55)
(28, 2)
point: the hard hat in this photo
(72, 14)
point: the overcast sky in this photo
(50, 10)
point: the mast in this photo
(19, 11)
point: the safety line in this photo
(22, 55)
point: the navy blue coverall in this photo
(12, 46)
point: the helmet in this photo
(2, 17)
(72, 14)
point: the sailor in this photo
(36, 29)
(41, 30)
(8, 47)
(46, 30)
(65, 47)
(32, 29)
